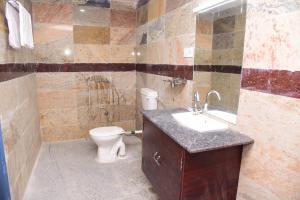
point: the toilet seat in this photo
(106, 131)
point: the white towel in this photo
(25, 27)
(13, 21)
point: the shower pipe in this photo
(127, 133)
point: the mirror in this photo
(218, 58)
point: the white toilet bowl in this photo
(110, 143)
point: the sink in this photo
(229, 117)
(199, 122)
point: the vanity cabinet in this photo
(176, 174)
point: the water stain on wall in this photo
(102, 100)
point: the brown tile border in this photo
(233, 69)
(182, 71)
(278, 82)
(11, 71)
(84, 67)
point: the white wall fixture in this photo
(210, 5)
(189, 52)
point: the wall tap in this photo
(174, 82)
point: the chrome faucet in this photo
(206, 99)
(197, 108)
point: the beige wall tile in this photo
(157, 53)
(123, 54)
(181, 21)
(123, 18)
(21, 132)
(92, 53)
(123, 36)
(91, 35)
(52, 13)
(270, 167)
(277, 48)
(60, 51)
(141, 56)
(203, 57)
(156, 30)
(156, 8)
(92, 16)
(47, 33)
(176, 47)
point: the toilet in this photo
(110, 143)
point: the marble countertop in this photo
(191, 140)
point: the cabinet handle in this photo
(156, 158)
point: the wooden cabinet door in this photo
(162, 162)
(149, 149)
(212, 175)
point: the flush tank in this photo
(149, 99)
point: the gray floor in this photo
(67, 171)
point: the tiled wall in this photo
(18, 111)
(165, 27)
(72, 32)
(269, 108)
(67, 32)
(21, 130)
(67, 112)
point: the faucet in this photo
(174, 82)
(197, 109)
(206, 99)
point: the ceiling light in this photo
(209, 5)
(82, 10)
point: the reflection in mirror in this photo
(219, 47)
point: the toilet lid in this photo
(107, 131)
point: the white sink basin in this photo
(229, 117)
(199, 122)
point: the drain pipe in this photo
(135, 132)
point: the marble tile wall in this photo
(90, 32)
(270, 167)
(21, 130)
(164, 29)
(18, 111)
(73, 103)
